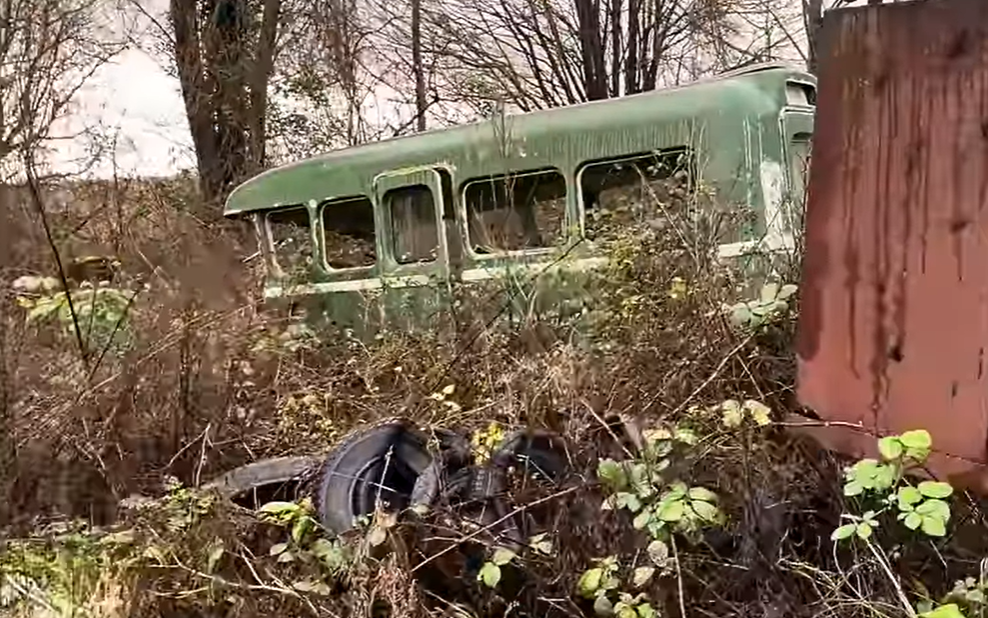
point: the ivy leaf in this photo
(490, 574)
(935, 489)
(642, 575)
(590, 582)
(890, 447)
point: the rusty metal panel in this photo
(894, 308)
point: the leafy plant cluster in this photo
(773, 303)
(100, 311)
(661, 505)
(885, 486)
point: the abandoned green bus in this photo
(375, 234)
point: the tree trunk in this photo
(417, 68)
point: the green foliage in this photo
(770, 306)
(885, 485)
(305, 543)
(602, 584)
(101, 311)
(660, 506)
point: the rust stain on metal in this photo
(894, 311)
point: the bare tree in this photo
(533, 54)
(48, 50)
(224, 52)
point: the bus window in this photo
(414, 233)
(291, 241)
(799, 176)
(635, 188)
(517, 212)
(348, 233)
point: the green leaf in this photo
(934, 508)
(658, 553)
(908, 496)
(732, 415)
(629, 501)
(890, 447)
(934, 526)
(949, 610)
(278, 508)
(702, 493)
(612, 474)
(490, 574)
(864, 530)
(503, 556)
(760, 413)
(913, 520)
(277, 548)
(602, 606)
(645, 611)
(935, 489)
(671, 510)
(590, 582)
(853, 488)
(623, 610)
(843, 532)
(642, 519)
(377, 536)
(706, 511)
(917, 443)
(642, 575)
(213, 558)
(300, 527)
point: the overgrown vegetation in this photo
(687, 496)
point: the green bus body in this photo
(745, 134)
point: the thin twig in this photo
(892, 578)
(679, 577)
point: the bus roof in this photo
(755, 86)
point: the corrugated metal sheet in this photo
(894, 309)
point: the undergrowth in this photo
(687, 495)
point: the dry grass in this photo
(203, 388)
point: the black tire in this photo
(265, 472)
(360, 470)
